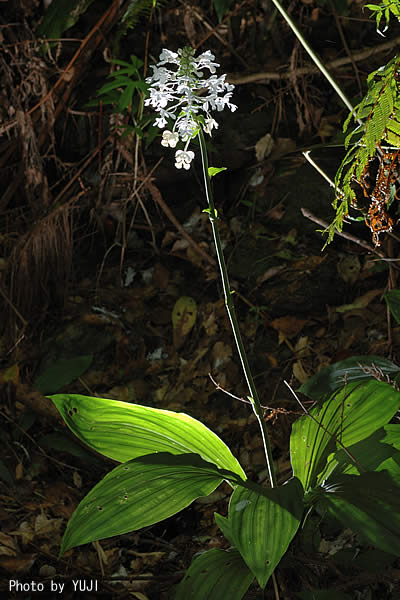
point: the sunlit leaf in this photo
(123, 431)
(138, 493)
(348, 416)
(212, 171)
(369, 454)
(392, 435)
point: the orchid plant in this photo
(345, 457)
(185, 97)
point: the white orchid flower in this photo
(169, 139)
(175, 95)
(183, 159)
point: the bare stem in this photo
(314, 57)
(254, 399)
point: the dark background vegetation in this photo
(100, 235)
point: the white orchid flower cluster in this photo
(186, 97)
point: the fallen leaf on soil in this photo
(269, 273)
(349, 268)
(26, 532)
(45, 526)
(181, 244)
(360, 302)
(210, 324)
(282, 147)
(302, 347)
(288, 326)
(184, 316)
(264, 147)
(299, 372)
(18, 565)
(47, 571)
(19, 471)
(309, 263)
(221, 354)
(7, 545)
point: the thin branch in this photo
(348, 236)
(311, 70)
(282, 411)
(219, 387)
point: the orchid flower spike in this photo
(186, 97)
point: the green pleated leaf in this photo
(139, 493)
(348, 416)
(392, 435)
(369, 504)
(392, 466)
(225, 526)
(216, 575)
(356, 368)
(123, 431)
(369, 454)
(263, 522)
(393, 301)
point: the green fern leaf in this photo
(380, 111)
(138, 9)
(393, 132)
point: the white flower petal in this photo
(169, 138)
(174, 95)
(183, 159)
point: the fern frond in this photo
(136, 10)
(380, 111)
(385, 9)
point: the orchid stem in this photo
(254, 399)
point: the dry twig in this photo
(311, 70)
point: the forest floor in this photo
(103, 287)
